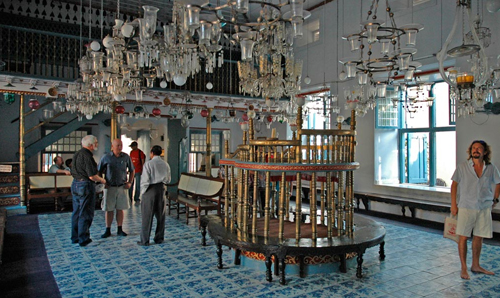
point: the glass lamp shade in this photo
(362, 78)
(411, 37)
(353, 42)
(493, 5)
(404, 61)
(193, 16)
(127, 30)
(340, 119)
(385, 46)
(138, 109)
(298, 28)
(351, 69)
(251, 114)
(297, 7)
(34, 104)
(47, 114)
(372, 30)
(179, 80)
(227, 134)
(246, 49)
(9, 98)
(95, 46)
(381, 90)
(138, 94)
(244, 126)
(205, 32)
(120, 109)
(409, 74)
(241, 6)
(156, 112)
(150, 15)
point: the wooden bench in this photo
(403, 202)
(196, 192)
(47, 185)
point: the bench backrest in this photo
(64, 181)
(48, 180)
(200, 185)
(36, 182)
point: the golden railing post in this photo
(340, 206)
(274, 208)
(313, 203)
(239, 199)
(208, 157)
(234, 207)
(322, 198)
(254, 213)
(114, 123)
(246, 195)
(227, 195)
(22, 161)
(281, 207)
(267, 212)
(329, 199)
(298, 207)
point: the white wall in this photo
(320, 59)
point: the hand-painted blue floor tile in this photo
(417, 264)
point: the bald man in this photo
(118, 170)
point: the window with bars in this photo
(199, 142)
(387, 114)
(65, 146)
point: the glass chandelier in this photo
(134, 56)
(384, 49)
(470, 87)
(267, 42)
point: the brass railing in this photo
(325, 158)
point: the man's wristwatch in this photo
(496, 201)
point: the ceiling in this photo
(133, 8)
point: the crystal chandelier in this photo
(416, 97)
(134, 56)
(383, 49)
(264, 45)
(470, 87)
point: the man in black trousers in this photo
(155, 174)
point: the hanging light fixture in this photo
(394, 54)
(470, 87)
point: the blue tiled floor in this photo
(417, 264)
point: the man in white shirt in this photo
(155, 174)
(473, 180)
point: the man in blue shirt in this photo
(473, 180)
(119, 174)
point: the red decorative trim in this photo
(308, 260)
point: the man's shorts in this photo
(115, 198)
(478, 221)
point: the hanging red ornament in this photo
(244, 117)
(269, 118)
(34, 104)
(156, 112)
(204, 113)
(120, 109)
